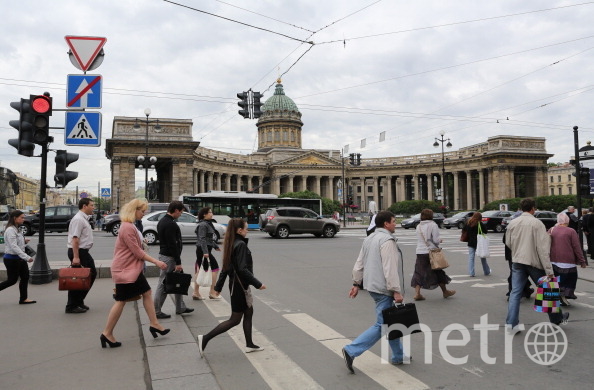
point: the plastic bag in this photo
(204, 278)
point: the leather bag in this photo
(437, 259)
(464, 235)
(405, 314)
(30, 251)
(74, 278)
(177, 283)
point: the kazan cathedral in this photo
(497, 168)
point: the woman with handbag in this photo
(127, 273)
(206, 240)
(15, 258)
(239, 266)
(424, 276)
(566, 254)
(473, 228)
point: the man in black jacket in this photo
(171, 246)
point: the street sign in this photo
(85, 49)
(106, 192)
(84, 91)
(83, 128)
(83, 195)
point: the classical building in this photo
(562, 180)
(28, 197)
(500, 167)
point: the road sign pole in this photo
(41, 272)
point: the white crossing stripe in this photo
(369, 363)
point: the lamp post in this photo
(146, 161)
(444, 185)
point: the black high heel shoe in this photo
(154, 331)
(112, 344)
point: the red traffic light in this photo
(41, 104)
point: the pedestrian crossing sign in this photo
(106, 192)
(83, 128)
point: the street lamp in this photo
(145, 161)
(444, 186)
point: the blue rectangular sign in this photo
(84, 91)
(83, 128)
(106, 192)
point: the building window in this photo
(570, 192)
(560, 191)
(552, 190)
(269, 136)
(559, 178)
(568, 177)
(285, 135)
(552, 179)
(359, 189)
(277, 135)
(293, 136)
(369, 189)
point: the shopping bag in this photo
(204, 278)
(437, 259)
(177, 283)
(482, 244)
(404, 314)
(548, 295)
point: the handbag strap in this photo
(422, 235)
(480, 230)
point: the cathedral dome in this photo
(279, 101)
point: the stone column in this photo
(330, 188)
(303, 183)
(363, 195)
(290, 186)
(430, 194)
(400, 191)
(469, 190)
(201, 181)
(195, 180)
(219, 181)
(249, 183)
(415, 180)
(456, 200)
(208, 181)
(317, 185)
(388, 192)
(227, 182)
(481, 189)
(276, 186)
(376, 194)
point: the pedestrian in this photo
(378, 267)
(126, 272)
(15, 258)
(566, 253)
(528, 290)
(80, 241)
(371, 227)
(590, 228)
(530, 246)
(170, 248)
(239, 266)
(99, 221)
(573, 219)
(424, 276)
(206, 240)
(472, 229)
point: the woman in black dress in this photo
(239, 266)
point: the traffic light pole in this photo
(578, 180)
(41, 272)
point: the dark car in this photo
(413, 221)
(549, 218)
(57, 219)
(492, 219)
(457, 220)
(280, 222)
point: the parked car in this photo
(493, 218)
(186, 222)
(413, 221)
(457, 220)
(57, 219)
(111, 222)
(549, 218)
(281, 222)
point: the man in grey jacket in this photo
(530, 245)
(378, 268)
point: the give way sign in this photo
(85, 49)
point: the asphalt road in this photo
(305, 316)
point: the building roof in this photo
(279, 101)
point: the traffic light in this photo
(63, 159)
(245, 110)
(257, 104)
(352, 159)
(584, 182)
(358, 159)
(24, 144)
(41, 110)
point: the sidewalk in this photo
(44, 348)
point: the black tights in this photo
(15, 269)
(234, 320)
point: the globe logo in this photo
(545, 343)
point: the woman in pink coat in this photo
(127, 273)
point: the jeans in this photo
(520, 274)
(372, 335)
(160, 294)
(471, 254)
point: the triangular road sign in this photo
(85, 49)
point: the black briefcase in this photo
(177, 283)
(405, 314)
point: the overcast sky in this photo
(409, 68)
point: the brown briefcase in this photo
(74, 278)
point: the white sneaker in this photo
(254, 349)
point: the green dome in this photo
(279, 101)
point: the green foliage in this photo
(414, 206)
(556, 203)
(329, 206)
(301, 195)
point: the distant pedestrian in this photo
(239, 266)
(126, 272)
(378, 268)
(472, 227)
(15, 258)
(424, 276)
(530, 246)
(573, 218)
(566, 253)
(171, 245)
(206, 241)
(80, 241)
(372, 226)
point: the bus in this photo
(231, 204)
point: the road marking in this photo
(389, 377)
(277, 369)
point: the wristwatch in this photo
(356, 285)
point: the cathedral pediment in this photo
(310, 158)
